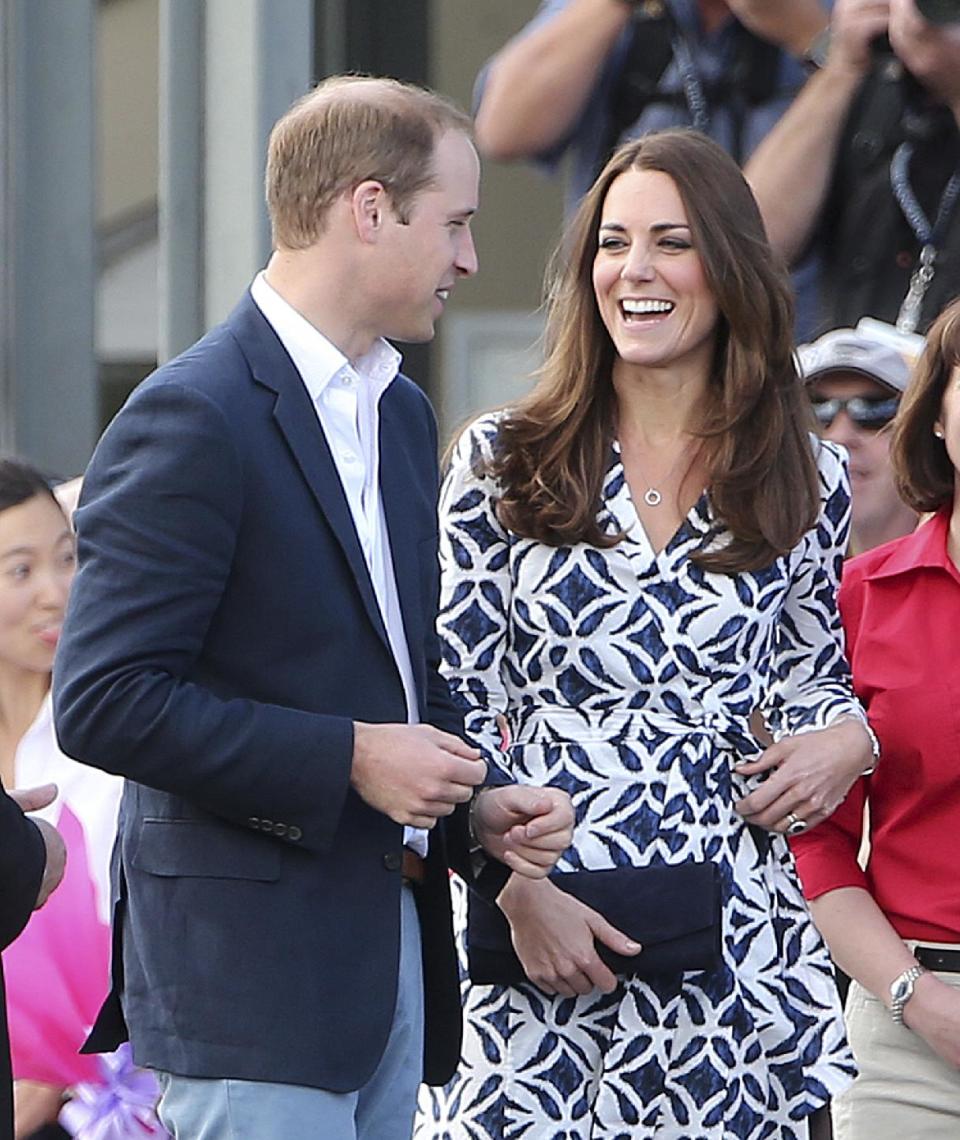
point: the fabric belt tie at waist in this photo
(618, 727)
(413, 868)
(934, 958)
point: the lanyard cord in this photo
(911, 208)
(928, 236)
(693, 92)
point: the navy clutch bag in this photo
(672, 911)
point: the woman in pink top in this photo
(895, 925)
(57, 972)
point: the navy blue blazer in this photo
(23, 858)
(222, 636)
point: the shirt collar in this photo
(924, 547)
(316, 358)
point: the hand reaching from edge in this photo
(33, 799)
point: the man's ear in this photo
(369, 204)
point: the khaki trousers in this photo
(904, 1090)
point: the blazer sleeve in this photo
(157, 528)
(23, 857)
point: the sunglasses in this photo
(868, 412)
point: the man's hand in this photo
(554, 936)
(413, 773)
(526, 828)
(810, 775)
(33, 799)
(853, 28)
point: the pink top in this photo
(57, 971)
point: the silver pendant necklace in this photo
(652, 496)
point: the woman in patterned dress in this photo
(636, 557)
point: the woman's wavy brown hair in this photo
(553, 445)
(923, 471)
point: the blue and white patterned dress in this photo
(628, 678)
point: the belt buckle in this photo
(413, 868)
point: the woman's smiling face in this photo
(648, 278)
(36, 569)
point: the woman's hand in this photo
(35, 1104)
(933, 1013)
(525, 827)
(810, 774)
(553, 935)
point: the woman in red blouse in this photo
(895, 926)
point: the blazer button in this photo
(294, 832)
(266, 825)
(392, 861)
(253, 821)
(279, 829)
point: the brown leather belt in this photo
(934, 958)
(412, 867)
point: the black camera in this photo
(939, 11)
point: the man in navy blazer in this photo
(250, 641)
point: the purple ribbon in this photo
(121, 1107)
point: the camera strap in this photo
(658, 40)
(693, 92)
(929, 236)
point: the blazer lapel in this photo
(297, 420)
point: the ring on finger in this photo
(795, 825)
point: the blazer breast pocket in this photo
(189, 848)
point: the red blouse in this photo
(900, 605)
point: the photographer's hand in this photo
(855, 25)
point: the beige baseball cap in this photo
(850, 350)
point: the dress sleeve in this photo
(475, 590)
(827, 854)
(810, 685)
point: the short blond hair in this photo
(348, 129)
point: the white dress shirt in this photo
(346, 397)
